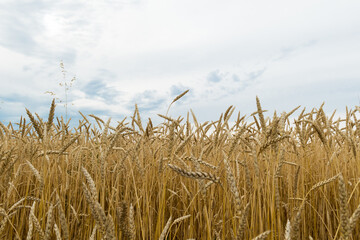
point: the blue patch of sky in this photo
(26, 100)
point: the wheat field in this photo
(285, 176)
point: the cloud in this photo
(255, 74)
(288, 51)
(100, 87)
(235, 78)
(214, 77)
(20, 23)
(148, 101)
(41, 29)
(228, 82)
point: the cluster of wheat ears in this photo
(278, 177)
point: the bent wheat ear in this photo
(322, 183)
(175, 99)
(196, 175)
(180, 96)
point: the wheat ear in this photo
(31, 226)
(261, 115)
(63, 223)
(232, 185)
(57, 232)
(51, 116)
(262, 236)
(344, 215)
(49, 222)
(166, 228)
(37, 226)
(196, 175)
(35, 124)
(354, 218)
(37, 175)
(241, 231)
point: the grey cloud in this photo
(105, 73)
(99, 88)
(214, 76)
(147, 101)
(290, 50)
(255, 74)
(228, 83)
(94, 87)
(67, 55)
(235, 78)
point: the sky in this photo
(146, 52)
